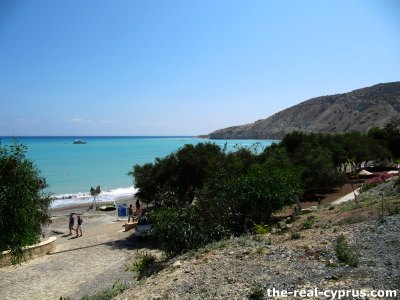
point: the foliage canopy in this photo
(209, 193)
(23, 205)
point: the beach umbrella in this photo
(365, 173)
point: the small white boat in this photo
(79, 142)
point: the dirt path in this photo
(349, 197)
(78, 266)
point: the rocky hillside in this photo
(358, 110)
(332, 247)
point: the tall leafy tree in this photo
(176, 178)
(393, 133)
(23, 205)
(251, 198)
(318, 159)
(388, 137)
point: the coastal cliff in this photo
(359, 110)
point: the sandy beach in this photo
(78, 266)
(83, 265)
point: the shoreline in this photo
(130, 199)
(86, 206)
(78, 199)
(92, 219)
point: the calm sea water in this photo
(72, 169)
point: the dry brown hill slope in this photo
(359, 110)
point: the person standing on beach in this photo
(79, 227)
(130, 213)
(71, 223)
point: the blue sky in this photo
(160, 67)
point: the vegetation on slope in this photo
(208, 193)
(350, 246)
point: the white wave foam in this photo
(82, 198)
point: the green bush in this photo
(108, 294)
(397, 184)
(237, 205)
(23, 205)
(355, 219)
(179, 230)
(349, 206)
(367, 186)
(256, 292)
(295, 236)
(261, 229)
(252, 198)
(143, 262)
(345, 253)
(307, 224)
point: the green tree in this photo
(388, 137)
(358, 146)
(394, 145)
(318, 158)
(23, 205)
(238, 162)
(251, 198)
(276, 156)
(233, 207)
(176, 179)
(319, 172)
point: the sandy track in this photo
(78, 266)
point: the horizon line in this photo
(43, 135)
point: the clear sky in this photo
(170, 67)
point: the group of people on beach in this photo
(79, 221)
(130, 210)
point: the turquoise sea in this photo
(72, 169)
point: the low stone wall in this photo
(130, 226)
(31, 251)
